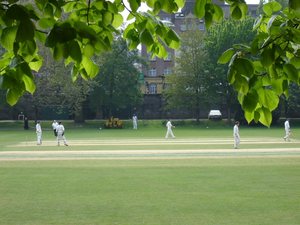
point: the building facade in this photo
(157, 69)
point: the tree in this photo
(262, 71)
(219, 38)
(293, 102)
(187, 86)
(53, 90)
(76, 30)
(117, 85)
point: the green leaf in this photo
(218, 13)
(267, 57)
(292, 72)
(268, 98)
(294, 4)
(208, 19)
(90, 67)
(146, 37)
(29, 84)
(25, 31)
(199, 8)
(88, 50)
(258, 22)
(17, 12)
(36, 63)
(46, 22)
(249, 116)
(75, 51)
(271, 7)
(226, 56)
(277, 85)
(250, 101)
(244, 67)
(12, 96)
(118, 20)
(107, 18)
(134, 4)
(265, 116)
(236, 12)
(59, 51)
(296, 62)
(231, 75)
(175, 40)
(8, 37)
(28, 47)
(241, 84)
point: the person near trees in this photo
(54, 125)
(134, 121)
(236, 134)
(26, 126)
(38, 130)
(287, 129)
(169, 129)
(60, 130)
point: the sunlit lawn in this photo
(219, 191)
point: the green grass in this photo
(156, 192)
(216, 191)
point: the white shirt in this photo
(236, 131)
(134, 118)
(38, 128)
(287, 125)
(54, 125)
(60, 128)
(169, 125)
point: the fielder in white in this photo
(38, 130)
(169, 129)
(54, 125)
(134, 122)
(236, 134)
(60, 130)
(287, 129)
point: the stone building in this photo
(158, 69)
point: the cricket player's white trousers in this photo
(236, 141)
(39, 138)
(170, 133)
(60, 136)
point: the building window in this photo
(151, 58)
(152, 89)
(167, 19)
(167, 71)
(152, 72)
(169, 57)
(183, 27)
(201, 26)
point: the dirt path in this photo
(218, 151)
(147, 154)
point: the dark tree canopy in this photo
(76, 30)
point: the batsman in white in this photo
(38, 130)
(60, 130)
(169, 129)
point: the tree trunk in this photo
(78, 116)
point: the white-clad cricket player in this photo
(236, 134)
(169, 129)
(38, 130)
(134, 121)
(287, 129)
(60, 130)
